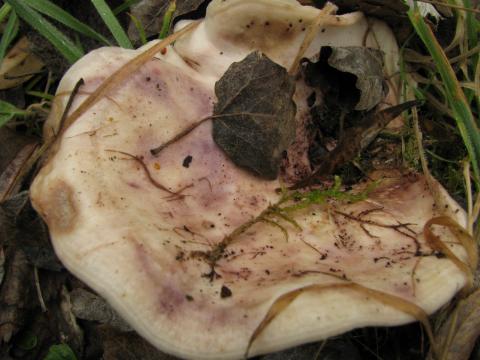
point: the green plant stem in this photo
(140, 29)
(4, 11)
(167, 19)
(456, 98)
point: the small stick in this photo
(39, 289)
(73, 94)
(193, 126)
(327, 10)
(355, 140)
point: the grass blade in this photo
(10, 32)
(112, 23)
(140, 29)
(4, 11)
(456, 98)
(48, 8)
(63, 44)
(167, 20)
(8, 111)
(126, 4)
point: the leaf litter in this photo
(457, 336)
(256, 142)
(231, 110)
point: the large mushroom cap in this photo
(117, 224)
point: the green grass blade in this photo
(458, 102)
(112, 23)
(8, 111)
(63, 44)
(4, 11)
(10, 32)
(48, 8)
(41, 95)
(140, 29)
(472, 25)
(167, 19)
(125, 6)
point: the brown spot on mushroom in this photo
(60, 211)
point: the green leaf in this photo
(60, 352)
(112, 23)
(63, 44)
(48, 8)
(10, 32)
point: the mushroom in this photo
(141, 230)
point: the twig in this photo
(328, 9)
(149, 175)
(354, 141)
(39, 290)
(73, 94)
(193, 126)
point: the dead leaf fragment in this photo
(393, 12)
(351, 76)
(127, 346)
(258, 122)
(19, 65)
(458, 335)
(150, 13)
(88, 306)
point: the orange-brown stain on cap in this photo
(58, 208)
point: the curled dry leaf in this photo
(352, 77)
(393, 12)
(465, 239)
(88, 306)
(19, 65)
(457, 336)
(262, 90)
(127, 346)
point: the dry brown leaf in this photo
(465, 239)
(458, 334)
(261, 90)
(15, 292)
(19, 65)
(88, 306)
(16, 150)
(9, 178)
(127, 346)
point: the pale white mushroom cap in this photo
(131, 242)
